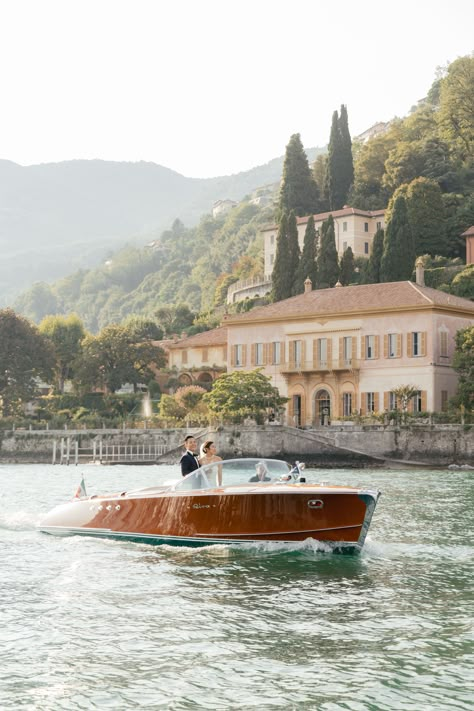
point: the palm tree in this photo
(404, 394)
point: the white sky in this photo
(211, 87)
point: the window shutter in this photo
(292, 354)
(303, 410)
(423, 343)
(410, 345)
(329, 352)
(377, 346)
(290, 407)
(354, 348)
(341, 349)
(315, 354)
(232, 356)
(385, 346)
(385, 400)
(303, 358)
(282, 352)
(363, 347)
(265, 353)
(399, 345)
(363, 403)
(244, 354)
(376, 402)
(253, 348)
(424, 401)
(444, 343)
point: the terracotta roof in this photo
(335, 213)
(355, 299)
(468, 232)
(206, 339)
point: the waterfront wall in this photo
(334, 446)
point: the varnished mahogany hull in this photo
(334, 515)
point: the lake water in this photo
(96, 624)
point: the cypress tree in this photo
(372, 274)
(293, 251)
(398, 257)
(346, 271)
(340, 168)
(281, 278)
(298, 190)
(307, 266)
(320, 168)
(426, 216)
(347, 176)
(328, 264)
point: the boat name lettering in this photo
(201, 506)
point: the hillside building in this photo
(469, 235)
(199, 359)
(336, 352)
(222, 207)
(353, 228)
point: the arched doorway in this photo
(322, 407)
(205, 380)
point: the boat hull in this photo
(336, 516)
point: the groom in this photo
(189, 460)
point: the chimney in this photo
(308, 285)
(420, 272)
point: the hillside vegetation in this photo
(424, 164)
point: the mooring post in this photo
(61, 461)
(76, 452)
(54, 451)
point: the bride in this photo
(208, 456)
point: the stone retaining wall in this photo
(356, 446)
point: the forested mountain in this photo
(185, 265)
(57, 217)
(424, 164)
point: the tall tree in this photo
(281, 277)
(320, 168)
(463, 363)
(328, 263)
(346, 152)
(298, 190)
(347, 267)
(65, 334)
(307, 267)
(398, 257)
(340, 170)
(426, 216)
(237, 395)
(110, 360)
(372, 273)
(294, 251)
(456, 114)
(25, 356)
(141, 328)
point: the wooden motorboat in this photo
(234, 501)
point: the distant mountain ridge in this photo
(57, 217)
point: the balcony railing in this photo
(320, 366)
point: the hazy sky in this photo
(211, 87)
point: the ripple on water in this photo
(111, 624)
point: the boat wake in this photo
(18, 520)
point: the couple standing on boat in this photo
(190, 461)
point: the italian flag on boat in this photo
(81, 490)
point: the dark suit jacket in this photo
(188, 463)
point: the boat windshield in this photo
(234, 472)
